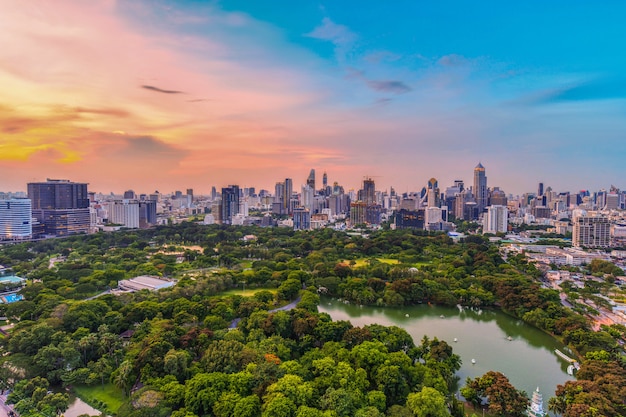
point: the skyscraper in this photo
(480, 187)
(433, 193)
(230, 203)
(496, 219)
(16, 219)
(368, 193)
(288, 191)
(61, 206)
(310, 181)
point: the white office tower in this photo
(612, 202)
(307, 197)
(16, 218)
(496, 220)
(590, 230)
(125, 212)
(244, 208)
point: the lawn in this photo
(249, 292)
(365, 262)
(95, 395)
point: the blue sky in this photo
(402, 90)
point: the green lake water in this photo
(528, 360)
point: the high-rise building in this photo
(540, 190)
(409, 219)
(612, 201)
(368, 193)
(496, 220)
(307, 195)
(61, 206)
(433, 193)
(125, 212)
(480, 187)
(288, 191)
(301, 219)
(591, 231)
(147, 213)
(129, 195)
(358, 212)
(230, 203)
(16, 219)
(310, 181)
(325, 180)
(497, 197)
(156, 196)
(373, 213)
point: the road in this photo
(4, 408)
(290, 306)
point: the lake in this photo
(528, 359)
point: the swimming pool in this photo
(10, 278)
(11, 298)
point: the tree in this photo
(289, 289)
(279, 406)
(427, 403)
(503, 399)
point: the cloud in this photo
(160, 90)
(147, 148)
(385, 86)
(453, 60)
(103, 112)
(596, 89)
(382, 56)
(389, 86)
(340, 35)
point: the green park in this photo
(217, 344)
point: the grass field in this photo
(365, 261)
(108, 394)
(249, 292)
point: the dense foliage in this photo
(181, 359)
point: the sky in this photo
(168, 95)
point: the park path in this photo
(290, 306)
(5, 410)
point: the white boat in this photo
(473, 361)
(406, 315)
(442, 316)
(456, 340)
(570, 370)
(509, 338)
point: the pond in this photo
(494, 340)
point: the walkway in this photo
(4, 408)
(290, 306)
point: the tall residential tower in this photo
(480, 187)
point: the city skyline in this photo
(173, 95)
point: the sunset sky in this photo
(165, 95)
